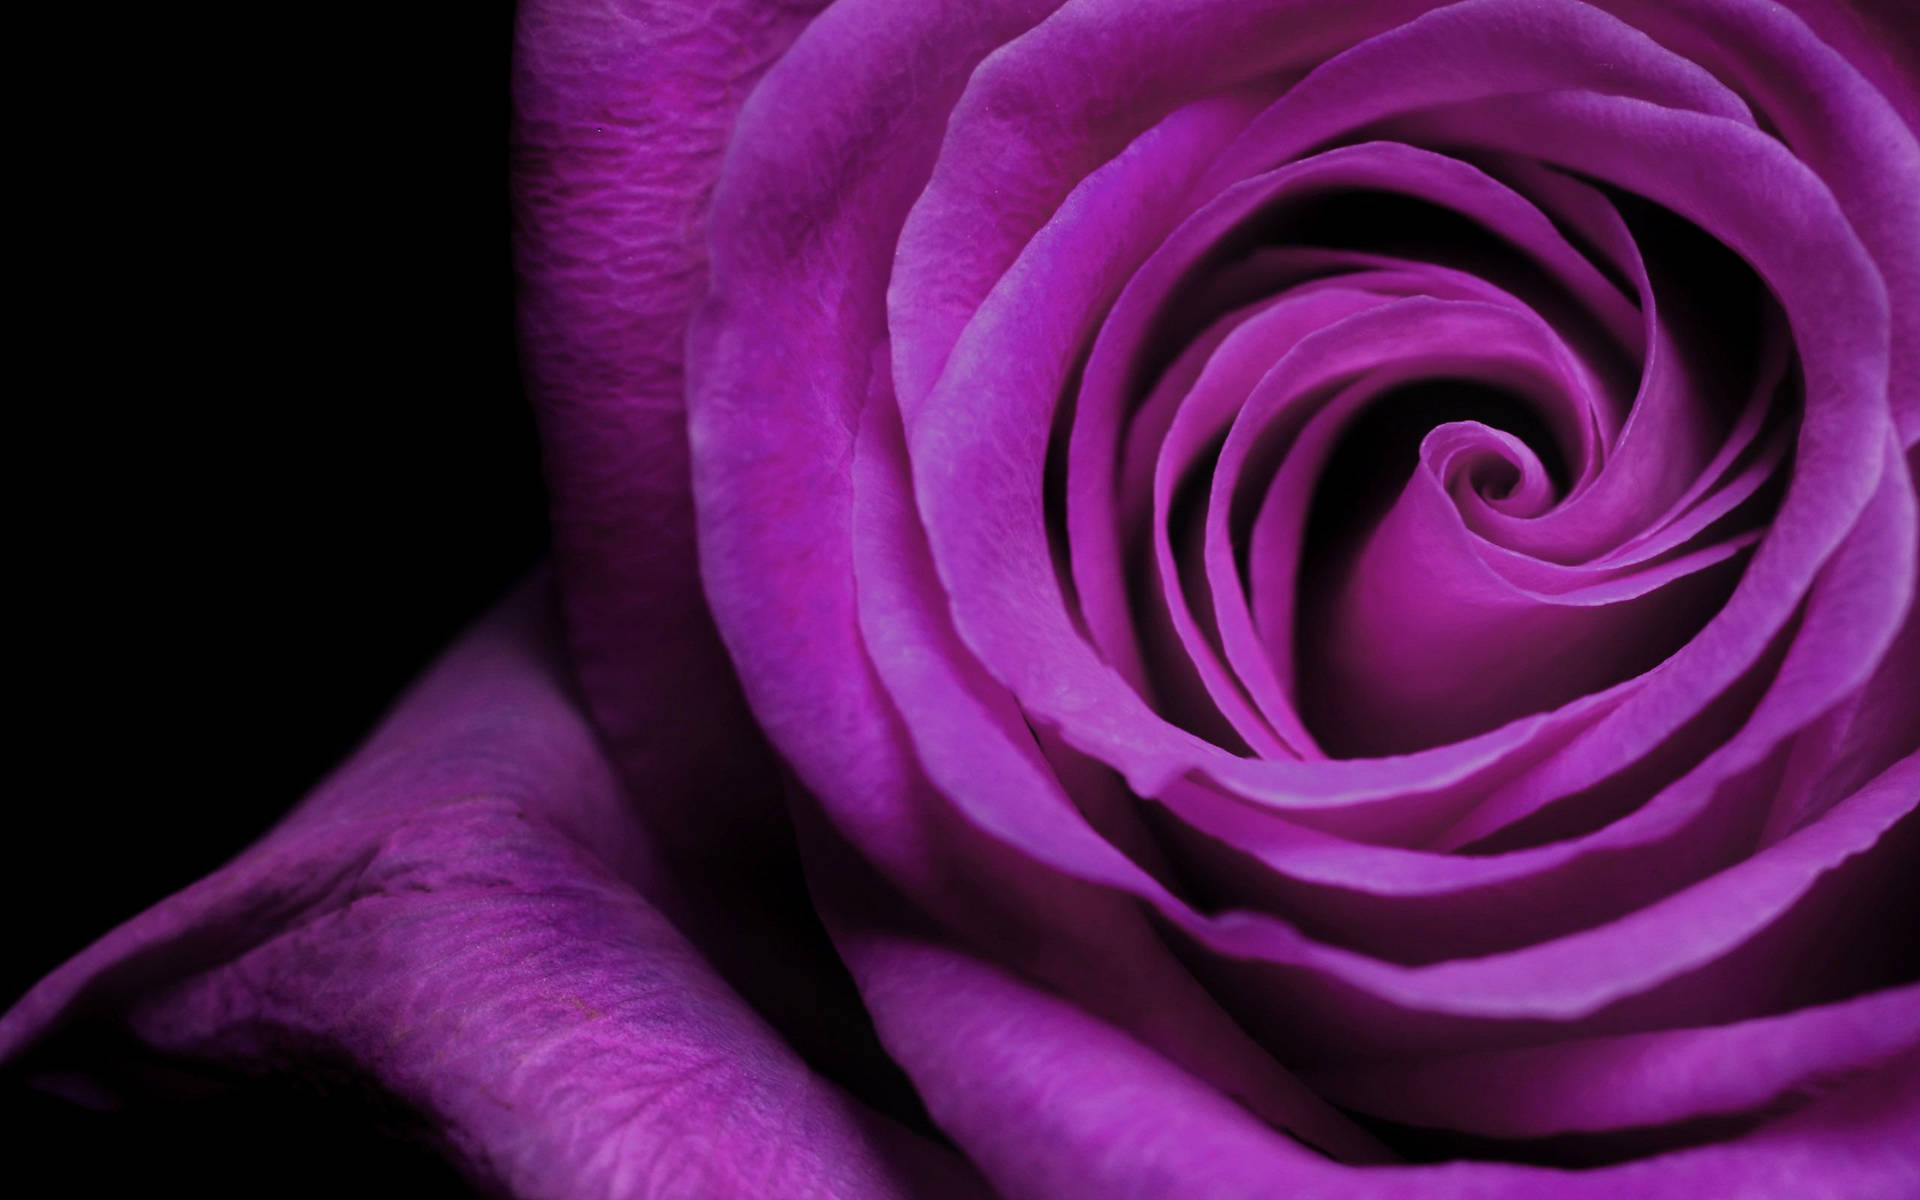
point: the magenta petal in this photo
(446, 919)
(987, 762)
(1838, 90)
(781, 352)
(611, 176)
(1054, 1103)
(1642, 1079)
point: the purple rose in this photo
(1205, 599)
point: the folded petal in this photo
(1052, 1102)
(447, 921)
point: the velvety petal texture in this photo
(621, 115)
(459, 917)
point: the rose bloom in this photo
(1189, 598)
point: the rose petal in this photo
(982, 757)
(621, 115)
(612, 169)
(445, 920)
(1052, 1102)
(1817, 92)
(1639, 1079)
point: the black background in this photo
(271, 452)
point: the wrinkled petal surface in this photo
(452, 918)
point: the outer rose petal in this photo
(1052, 1102)
(622, 111)
(446, 919)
